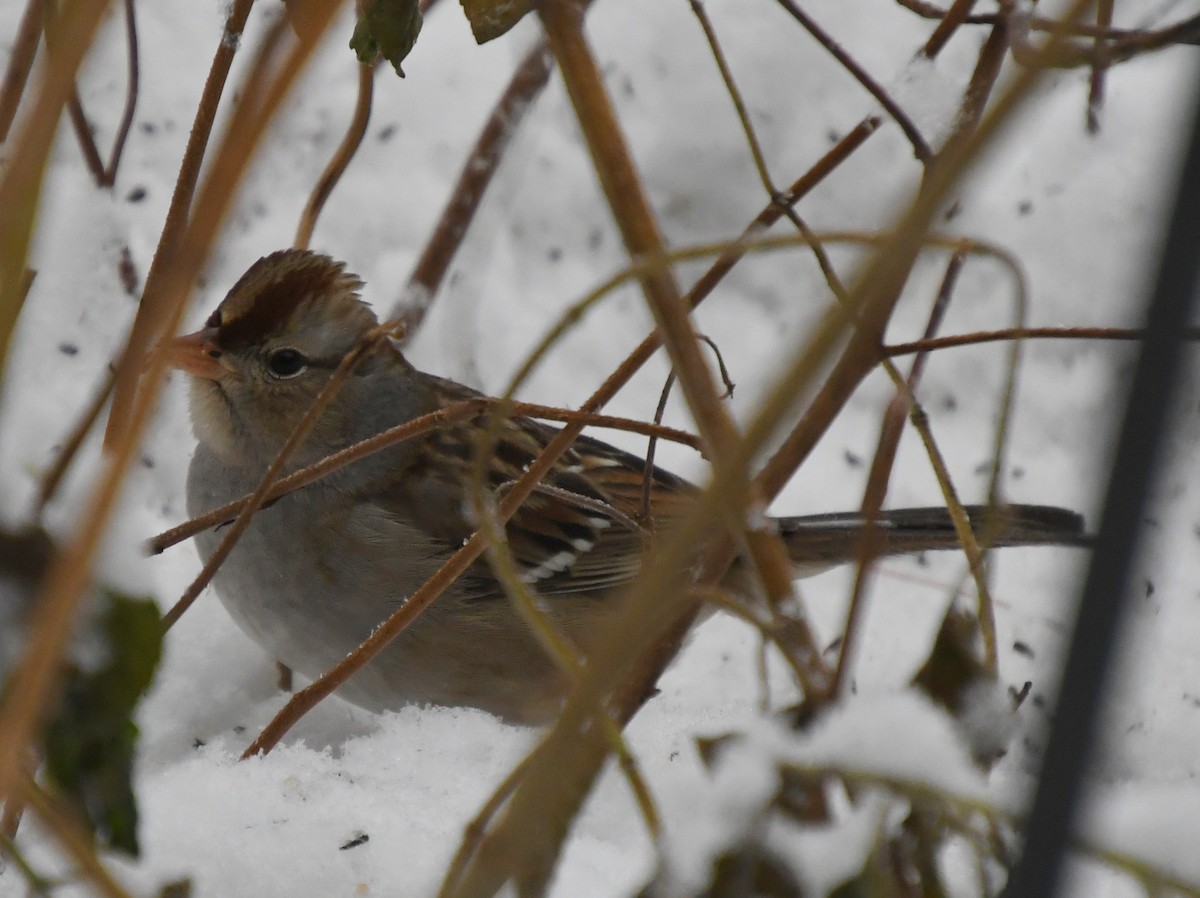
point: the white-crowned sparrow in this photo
(320, 568)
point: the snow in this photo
(1081, 213)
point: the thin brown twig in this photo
(132, 89)
(644, 614)
(870, 544)
(58, 596)
(69, 835)
(920, 147)
(63, 587)
(610, 422)
(20, 63)
(1181, 32)
(474, 831)
(647, 512)
(176, 220)
(52, 479)
(611, 158)
(302, 702)
(955, 16)
(333, 172)
(881, 467)
(1026, 333)
(14, 807)
(1122, 48)
(563, 22)
(445, 417)
(306, 699)
(905, 402)
(85, 138)
(714, 45)
(481, 165)
(635, 218)
(1100, 47)
(526, 602)
(979, 89)
(106, 175)
(270, 476)
(756, 151)
(312, 473)
(774, 211)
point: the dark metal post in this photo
(1072, 735)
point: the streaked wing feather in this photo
(574, 537)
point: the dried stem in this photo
(70, 446)
(881, 467)
(979, 88)
(1183, 32)
(426, 278)
(510, 851)
(329, 391)
(85, 138)
(62, 589)
(106, 175)
(20, 62)
(33, 677)
(475, 830)
(69, 835)
(1104, 15)
(920, 148)
(563, 21)
(1026, 333)
(1123, 46)
(647, 512)
(905, 402)
(341, 158)
(176, 221)
(443, 418)
(568, 659)
(710, 34)
(131, 95)
(954, 17)
(312, 473)
(622, 187)
(22, 182)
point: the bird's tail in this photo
(819, 541)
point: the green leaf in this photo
(491, 18)
(90, 740)
(386, 28)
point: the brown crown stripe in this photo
(271, 291)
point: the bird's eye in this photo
(286, 362)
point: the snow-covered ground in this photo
(1081, 213)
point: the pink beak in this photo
(197, 354)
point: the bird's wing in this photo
(580, 532)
